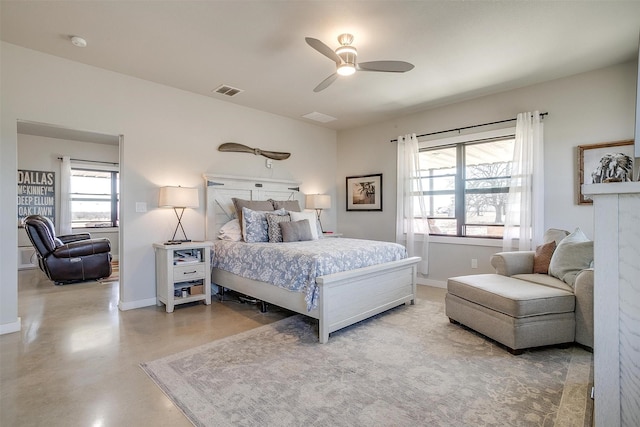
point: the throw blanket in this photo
(295, 265)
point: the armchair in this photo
(69, 258)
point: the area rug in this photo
(406, 367)
(115, 273)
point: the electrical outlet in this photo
(474, 263)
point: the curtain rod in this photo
(469, 127)
(93, 161)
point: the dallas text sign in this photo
(36, 194)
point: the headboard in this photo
(220, 189)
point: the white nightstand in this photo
(182, 268)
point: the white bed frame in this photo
(344, 299)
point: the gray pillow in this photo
(573, 254)
(296, 231)
(289, 205)
(274, 232)
(254, 205)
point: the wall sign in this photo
(36, 194)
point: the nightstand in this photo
(182, 273)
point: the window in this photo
(94, 197)
(466, 186)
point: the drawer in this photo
(188, 272)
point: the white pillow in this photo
(573, 254)
(230, 231)
(313, 221)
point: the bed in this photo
(339, 299)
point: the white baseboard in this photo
(131, 305)
(432, 283)
(9, 328)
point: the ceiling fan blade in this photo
(326, 82)
(386, 66)
(323, 49)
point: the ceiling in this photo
(460, 49)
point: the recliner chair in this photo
(70, 258)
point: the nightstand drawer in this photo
(183, 273)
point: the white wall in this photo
(588, 108)
(170, 138)
(42, 153)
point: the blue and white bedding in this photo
(295, 265)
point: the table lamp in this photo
(178, 198)
(318, 202)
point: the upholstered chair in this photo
(69, 258)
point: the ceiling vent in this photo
(319, 117)
(227, 90)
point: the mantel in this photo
(611, 188)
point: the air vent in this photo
(227, 90)
(319, 117)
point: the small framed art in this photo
(364, 193)
(601, 163)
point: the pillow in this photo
(230, 231)
(554, 234)
(290, 205)
(296, 231)
(256, 205)
(542, 257)
(573, 254)
(273, 222)
(255, 227)
(313, 221)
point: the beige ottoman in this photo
(515, 313)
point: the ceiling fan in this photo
(345, 58)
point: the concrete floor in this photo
(75, 361)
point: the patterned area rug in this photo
(406, 367)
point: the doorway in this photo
(41, 148)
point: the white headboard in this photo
(220, 189)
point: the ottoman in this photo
(516, 313)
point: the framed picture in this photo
(607, 162)
(364, 193)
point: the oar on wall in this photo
(239, 148)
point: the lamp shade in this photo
(178, 197)
(318, 201)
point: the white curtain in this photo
(524, 220)
(65, 196)
(411, 219)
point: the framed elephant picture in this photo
(602, 163)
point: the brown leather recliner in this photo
(70, 258)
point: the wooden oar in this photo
(239, 148)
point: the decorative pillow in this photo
(255, 205)
(573, 254)
(296, 231)
(554, 234)
(290, 205)
(230, 231)
(313, 222)
(273, 222)
(542, 257)
(255, 227)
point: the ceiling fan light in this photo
(346, 69)
(346, 50)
